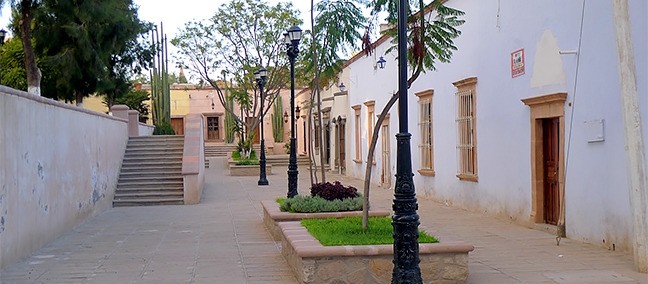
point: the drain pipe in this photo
(636, 160)
(560, 228)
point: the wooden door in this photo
(213, 128)
(551, 159)
(177, 123)
(257, 130)
(341, 146)
(327, 144)
(385, 177)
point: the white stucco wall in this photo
(59, 167)
(596, 200)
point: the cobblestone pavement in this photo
(222, 240)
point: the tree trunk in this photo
(33, 73)
(318, 134)
(79, 98)
(372, 148)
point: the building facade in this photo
(525, 123)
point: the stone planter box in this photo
(272, 216)
(251, 170)
(311, 262)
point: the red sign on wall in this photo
(517, 63)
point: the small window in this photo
(370, 123)
(466, 129)
(358, 133)
(426, 144)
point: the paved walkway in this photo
(222, 240)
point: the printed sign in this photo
(517, 63)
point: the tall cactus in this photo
(160, 92)
(277, 120)
(230, 122)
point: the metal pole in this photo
(292, 166)
(262, 161)
(405, 219)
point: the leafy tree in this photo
(430, 39)
(241, 37)
(135, 100)
(94, 41)
(13, 73)
(27, 9)
(334, 29)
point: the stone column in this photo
(120, 111)
(133, 123)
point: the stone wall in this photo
(59, 166)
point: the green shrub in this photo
(247, 162)
(236, 155)
(163, 129)
(314, 204)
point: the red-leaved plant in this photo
(332, 191)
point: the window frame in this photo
(466, 126)
(358, 133)
(426, 125)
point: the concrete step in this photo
(154, 155)
(149, 202)
(149, 185)
(150, 179)
(138, 169)
(176, 188)
(151, 174)
(127, 195)
(154, 149)
(159, 159)
(157, 137)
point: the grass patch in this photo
(348, 231)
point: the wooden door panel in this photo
(551, 142)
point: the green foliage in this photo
(429, 39)
(231, 127)
(336, 25)
(313, 204)
(163, 129)
(287, 148)
(135, 100)
(277, 120)
(95, 42)
(240, 37)
(13, 73)
(348, 231)
(237, 156)
(247, 162)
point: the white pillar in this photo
(636, 160)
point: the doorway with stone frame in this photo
(547, 125)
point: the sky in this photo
(174, 14)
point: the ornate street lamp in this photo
(405, 219)
(260, 76)
(342, 87)
(3, 33)
(381, 62)
(292, 38)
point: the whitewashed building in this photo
(525, 123)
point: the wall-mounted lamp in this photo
(189, 96)
(213, 105)
(285, 116)
(342, 87)
(297, 110)
(3, 33)
(381, 62)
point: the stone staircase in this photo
(151, 172)
(223, 150)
